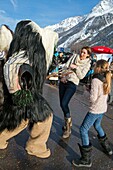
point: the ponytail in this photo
(107, 83)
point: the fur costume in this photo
(28, 60)
(6, 36)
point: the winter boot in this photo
(85, 160)
(105, 144)
(64, 127)
(67, 128)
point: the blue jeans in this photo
(91, 120)
(66, 91)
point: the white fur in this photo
(49, 40)
(5, 38)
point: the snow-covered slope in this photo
(66, 24)
(102, 8)
(95, 28)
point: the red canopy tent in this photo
(102, 49)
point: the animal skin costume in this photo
(22, 82)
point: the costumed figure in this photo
(28, 60)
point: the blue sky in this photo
(43, 12)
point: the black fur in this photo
(1, 84)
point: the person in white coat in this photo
(78, 66)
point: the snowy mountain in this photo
(66, 24)
(104, 7)
(95, 28)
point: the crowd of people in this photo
(23, 104)
(59, 59)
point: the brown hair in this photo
(88, 50)
(102, 67)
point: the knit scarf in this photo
(100, 76)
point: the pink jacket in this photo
(98, 101)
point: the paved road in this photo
(63, 151)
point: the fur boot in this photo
(67, 128)
(85, 160)
(105, 144)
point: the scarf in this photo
(100, 76)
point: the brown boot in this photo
(67, 127)
(64, 127)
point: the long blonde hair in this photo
(102, 66)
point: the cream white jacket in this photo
(82, 68)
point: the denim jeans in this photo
(91, 120)
(66, 91)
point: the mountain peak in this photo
(103, 7)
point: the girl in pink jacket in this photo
(100, 88)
